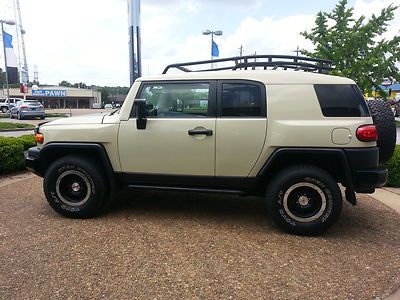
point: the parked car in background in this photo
(28, 108)
(4, 103)
(96, 105)
(108, 106)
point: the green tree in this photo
(104, 95)
(355, 45)
(2, 78)
(65, 83)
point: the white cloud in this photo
(88, 40)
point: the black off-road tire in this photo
(75, 187)
(4, 109)
(304, 200)
(386, 126)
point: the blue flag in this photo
(214, 49)
(11, 61)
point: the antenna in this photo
(20, 35)
(35, 74)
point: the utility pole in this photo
(241, 50)
(297, 51)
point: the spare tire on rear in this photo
(386, 126)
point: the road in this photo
(168, 246)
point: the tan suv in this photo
(288, 136)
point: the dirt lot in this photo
(165, 245)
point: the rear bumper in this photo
(32, 161)
(32, 113)
(364, 165)
(367, 180)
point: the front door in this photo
(178, 142)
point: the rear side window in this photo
(341, 100)
(241, 100)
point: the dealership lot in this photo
(163, 245)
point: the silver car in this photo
(28, 108)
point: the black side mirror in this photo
(140, 107)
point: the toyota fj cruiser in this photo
(241, 127)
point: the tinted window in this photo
(341, 100)
(176, 100)
(241, 100)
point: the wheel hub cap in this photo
(303, 200)
(75, 187)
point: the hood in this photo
(86, 119)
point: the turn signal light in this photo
(39, 138)
(367, 133)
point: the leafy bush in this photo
(12, 152)
(393, 166)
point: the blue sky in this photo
(87, 40)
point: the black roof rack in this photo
(266, 62)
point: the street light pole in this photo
(212, 33)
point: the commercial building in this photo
(392, 90)
(59, 96)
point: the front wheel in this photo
(75, 187)
(304, 199)
(4, 109)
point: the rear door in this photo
(241, 128)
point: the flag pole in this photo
(5, 63)
(212, 42)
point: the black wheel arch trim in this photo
(346, 179)
(49, 149)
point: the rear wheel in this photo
(4, 109)
(304, 200)
(75, 187)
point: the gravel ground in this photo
(166, 245)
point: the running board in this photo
(183, 189)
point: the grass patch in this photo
(9, 125)
(398, 123)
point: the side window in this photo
(176, 100)
(241, 100)
(341, 100)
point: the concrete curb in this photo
(388, 196)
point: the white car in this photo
(108, 106)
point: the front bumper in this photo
(32, 161)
